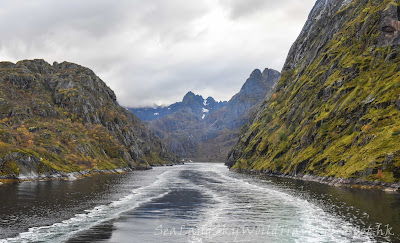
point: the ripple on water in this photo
(59, 232)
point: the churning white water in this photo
(190, 203)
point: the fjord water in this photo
(201, 202)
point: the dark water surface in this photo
(195, 203)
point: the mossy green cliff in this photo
(336, 110)
(63, 118)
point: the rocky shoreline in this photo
(60, 175)
(332, 181)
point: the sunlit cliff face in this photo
(390, 26)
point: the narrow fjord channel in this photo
(199, 202)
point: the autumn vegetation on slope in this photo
(336, 109)
(64, 118)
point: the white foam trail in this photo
(226, 206)
(316, 224)
(62, 231)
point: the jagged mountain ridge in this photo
(202, 129)
(200, 106)
(336, 110)
(63, 118)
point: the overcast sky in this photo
(155, 51)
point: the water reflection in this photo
(32, 204)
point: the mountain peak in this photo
(191, 97)
(268, 71)
(190, 93)
(210, 100)
(271, 74)
(258, 82)
(256, 73)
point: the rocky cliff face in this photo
(336, 110)
(62, 117)
(203, 129)
(224, 125)
(239, 109)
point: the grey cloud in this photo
(241, 8)
(154, 51)
(34, 18)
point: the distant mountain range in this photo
(195, 103)
(203, 129)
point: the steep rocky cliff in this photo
(224, 125)
(336, 110)
(62, 117)
(239, 109)
(203, 129)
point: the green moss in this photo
(351, 130)
(282, 136)
(10, 168)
